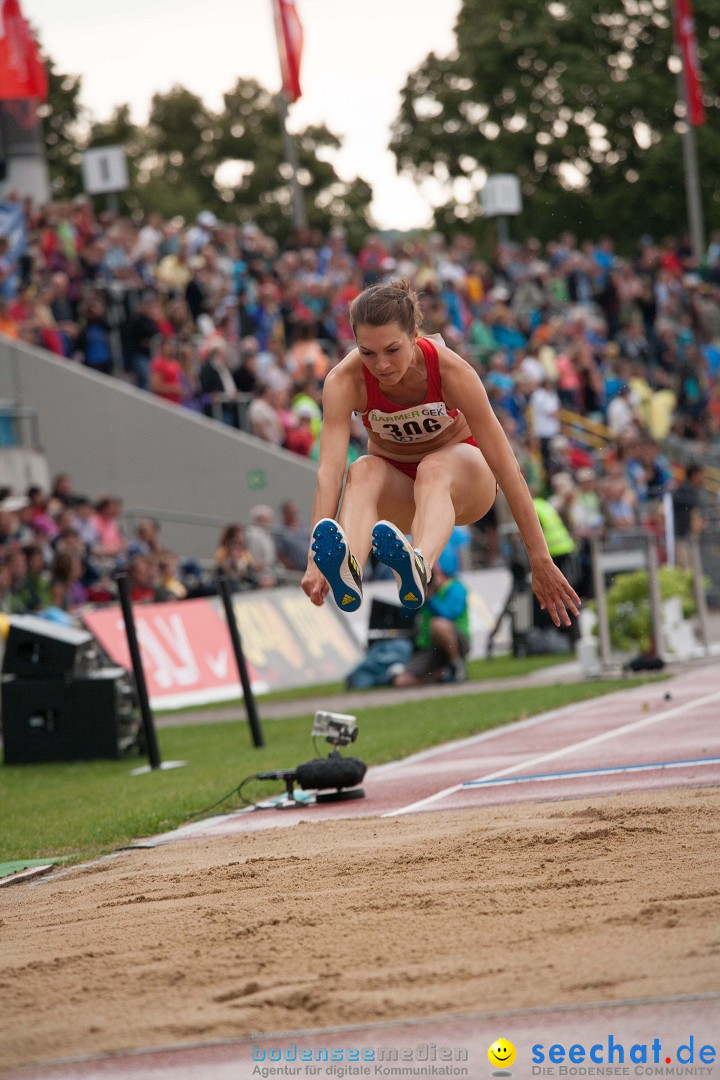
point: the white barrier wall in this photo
(115, 439)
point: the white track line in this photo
(502, 729)
(678, 710)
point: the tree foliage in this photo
(574, 96)
(188, 158)
(61, 117)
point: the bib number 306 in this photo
(413, 428)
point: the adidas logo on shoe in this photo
(334, 561)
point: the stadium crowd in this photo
(60, 551)
(221, 319)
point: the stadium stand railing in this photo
(580, 429)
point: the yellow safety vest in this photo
(557, 537)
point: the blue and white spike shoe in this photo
(335, 562)
(392, 548)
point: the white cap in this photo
(14, 503)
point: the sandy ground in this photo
(354, 921)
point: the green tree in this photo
(176, 156)
(188, 158)
(62, 117)
(251, 151)
(574, 96)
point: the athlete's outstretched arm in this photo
(464, 390)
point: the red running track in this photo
(668, 728)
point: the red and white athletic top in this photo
(410, 423)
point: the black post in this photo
(138, 671)
(226, 595)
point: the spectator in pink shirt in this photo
(111, 542)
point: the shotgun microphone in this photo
(333, 773)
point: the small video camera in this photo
(337, 728)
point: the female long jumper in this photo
(436, 456)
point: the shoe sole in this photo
(391, 548)
(332, 560)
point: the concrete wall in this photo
(114, 439)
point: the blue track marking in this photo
(608, 771)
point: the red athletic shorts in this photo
(409, 468)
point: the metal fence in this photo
(710, 560)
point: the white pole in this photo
(669, 516)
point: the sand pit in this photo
(345, 922)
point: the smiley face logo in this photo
(501, 1054)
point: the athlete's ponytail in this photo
(379, 305)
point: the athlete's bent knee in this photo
(366, 470)
(432, 471)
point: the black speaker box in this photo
(38, 648)
(80, 719)
(390, 620)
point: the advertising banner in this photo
(187, 654)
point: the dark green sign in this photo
(256, 479)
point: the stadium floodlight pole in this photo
(692, 180)
(291, 157)
(689, 78)
(248, 696)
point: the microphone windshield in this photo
(330, 772)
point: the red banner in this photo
(687, 44)
(22, 75)
(290, 43)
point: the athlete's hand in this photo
(314, 585)
(555, 593)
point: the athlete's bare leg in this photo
(373, 490)
(454, 486)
